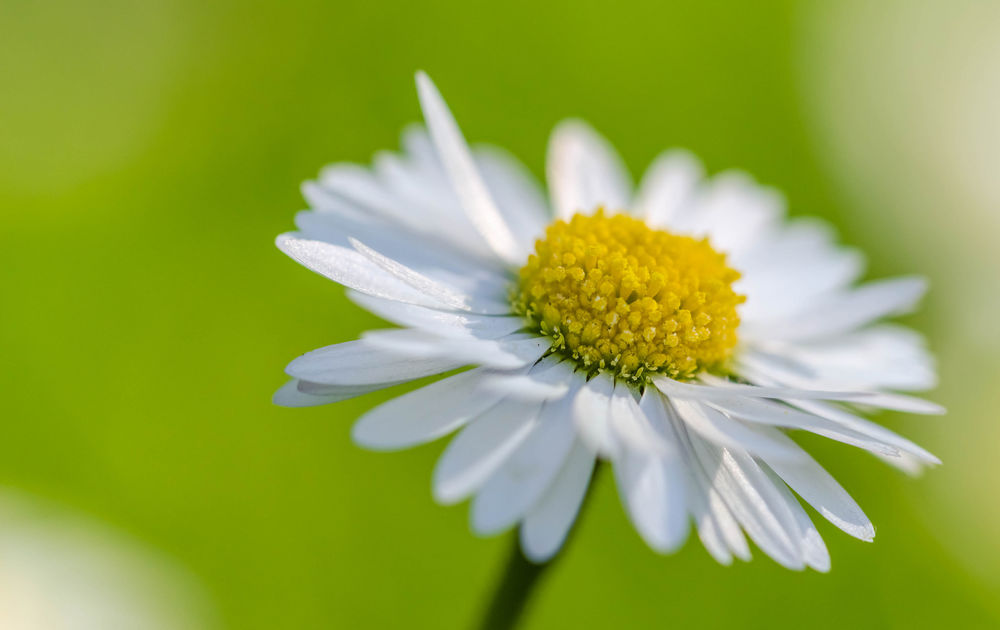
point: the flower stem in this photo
(513, 591)
(520, 578)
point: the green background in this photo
(151, 151)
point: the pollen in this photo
(614, 294)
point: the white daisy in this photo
(678, 332)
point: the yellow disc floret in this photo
(615, 294)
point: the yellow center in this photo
(615, 294)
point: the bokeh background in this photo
(150, 151)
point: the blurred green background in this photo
(150, 152)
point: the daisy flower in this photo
(681, 332)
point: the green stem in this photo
(520, 579)
(513, 591)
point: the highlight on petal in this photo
(463, 174)
(351, 269)
(810, 481)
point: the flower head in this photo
(678, 332)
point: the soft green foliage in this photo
(150, 152)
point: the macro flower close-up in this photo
(682, 331)
(507, 316)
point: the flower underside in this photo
(614, 294)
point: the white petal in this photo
(850, 310)
(584, 172)
(867, 427)
(548, 380)
(750, 496)
(425, 253)
(443, 294)
(546, 525)
(733, 212)
(909, 464)
(429, 208)
(351, 269)
(438, 322)
(652, 491)
(518, 195)
(652, 481)
(814, 550)
(291, 394)
(668, 185)
(631, 428)
(723, 431)
(717, 388)
(462, 172)
(880, 357)
(769, 499)
(527, 473)
(424, 414)
(509, 352)
(770, 413)
(717, 528)
(358, 363)
(481, 448)
(806, 477)
(591, 414)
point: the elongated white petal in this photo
(426, 253)
(814, 550)
(630, 426)
(351, 269)
(851, 310)
(772, 507)
(733, 212)
(443, 294)
(717, 388)
(909, 464)
(749, 496)
(527, 473)
(548, 380)
(519, 197)
(723, 431)
(289, 395)
(524, 387)
(880, 357)
(652, 489)
(424, 414)
(482, 447)
(764, 411)
(462, 172)
(548, 522)
(867, 427)
(439, 322)
(807, 478)
(358, 363)
(412, 192)
(584, 172)
(668, 185)
(509, 352)
(591, 414)
(717, 527)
